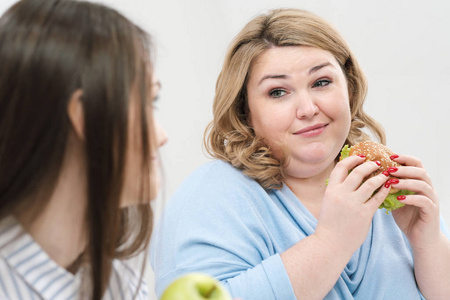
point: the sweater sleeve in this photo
(213, 225)
(267, 278)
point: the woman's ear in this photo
(75, 112)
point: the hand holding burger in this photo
(419, 220)
(374, 151)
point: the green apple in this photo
(195, 286)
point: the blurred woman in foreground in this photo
(78, 151)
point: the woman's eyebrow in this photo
(282, 76)
(273, 77)
(318, 67)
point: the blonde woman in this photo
(261, 218)
(78, 151)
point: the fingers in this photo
(419, 187)
(407, 160)
(411, 173)
(375, 201)
(340, 172)
(355, 178)
(367, 189)
(426, 205)
(412, 169)
(413, 177)
(353, 181)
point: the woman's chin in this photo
(155, 186)
(309, 165)
(312, 155)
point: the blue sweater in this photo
(224, 223)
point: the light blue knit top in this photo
(225, 224)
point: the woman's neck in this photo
(60, 229)
(310, 190)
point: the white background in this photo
(403, 47)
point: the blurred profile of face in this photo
(133, 164)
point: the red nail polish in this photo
(394, 156)
(362, 155)
(393, 181)
(401, 197)
(392, 169)
(387, 184)
(386, 173)
(377, 162)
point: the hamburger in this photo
(374, 151)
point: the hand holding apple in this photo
(195, 286)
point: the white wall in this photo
(403, 47)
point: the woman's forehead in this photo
(289, 59)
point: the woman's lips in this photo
(312, 131)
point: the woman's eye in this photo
(277, 93)
(321, 83)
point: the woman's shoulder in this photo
(217, 168)
(216, 175)
(216, 185)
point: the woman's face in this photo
(133, 164)
(298, 101)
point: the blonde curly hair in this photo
(229, 136)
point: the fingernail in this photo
(387, 184)
(393, 181)
(361, 155)
(401, 197)
(394, 156)
(392, 169)
(377, 162)
(386, 173)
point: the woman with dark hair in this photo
(78, 151)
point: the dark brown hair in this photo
(48, 50)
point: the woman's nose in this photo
(306, 106)
(161, 135)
